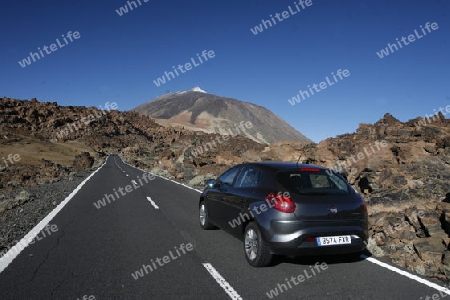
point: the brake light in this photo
(281, 203)
(310, 169)
(362, 202)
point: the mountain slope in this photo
(404, 181)
(198, 110)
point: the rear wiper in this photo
(313, 193)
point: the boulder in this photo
(83, 162)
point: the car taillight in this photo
(281, 203)
(362, 202)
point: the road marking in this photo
(192, 188)
(126, 174)
(14, 251)
(153, 203)
(372, 260)
(407, 274)
(222, 282)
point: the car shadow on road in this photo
(328, 259)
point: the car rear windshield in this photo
(316, 181)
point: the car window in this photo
(228, 177)
(319, 181)
(249, 177)
(312, 182)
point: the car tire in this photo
(204, 217)
(256, 251)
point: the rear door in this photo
(244, 192)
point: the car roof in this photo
(281, 165)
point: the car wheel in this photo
(204, 217)
(256, 251)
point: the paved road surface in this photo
(96, 251)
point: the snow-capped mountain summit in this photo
(194, 89)
(198, 89)
(198, 110)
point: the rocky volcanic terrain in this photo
(402, 169)
(406, 185)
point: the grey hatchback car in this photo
(289, 209)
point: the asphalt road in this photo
(95, 251)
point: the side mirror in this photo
(210, 183)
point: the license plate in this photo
(334, 240)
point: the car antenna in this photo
(299, 157)
(301, 153)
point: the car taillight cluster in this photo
(362, 202)
(281, 203)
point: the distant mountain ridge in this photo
(405, 183)
(201, 111)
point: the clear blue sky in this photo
(118, 57)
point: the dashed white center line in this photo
(234, 295)
(222, 282)
(153, 203)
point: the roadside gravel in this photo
(33, 204)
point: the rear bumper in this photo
(289, 238)
(311, 248)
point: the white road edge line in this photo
(14, 251)
(375, 261)
(162, 177)
(407, 274)
(222, 282)
(372, 260)
(153, 203)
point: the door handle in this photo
(243, 201)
